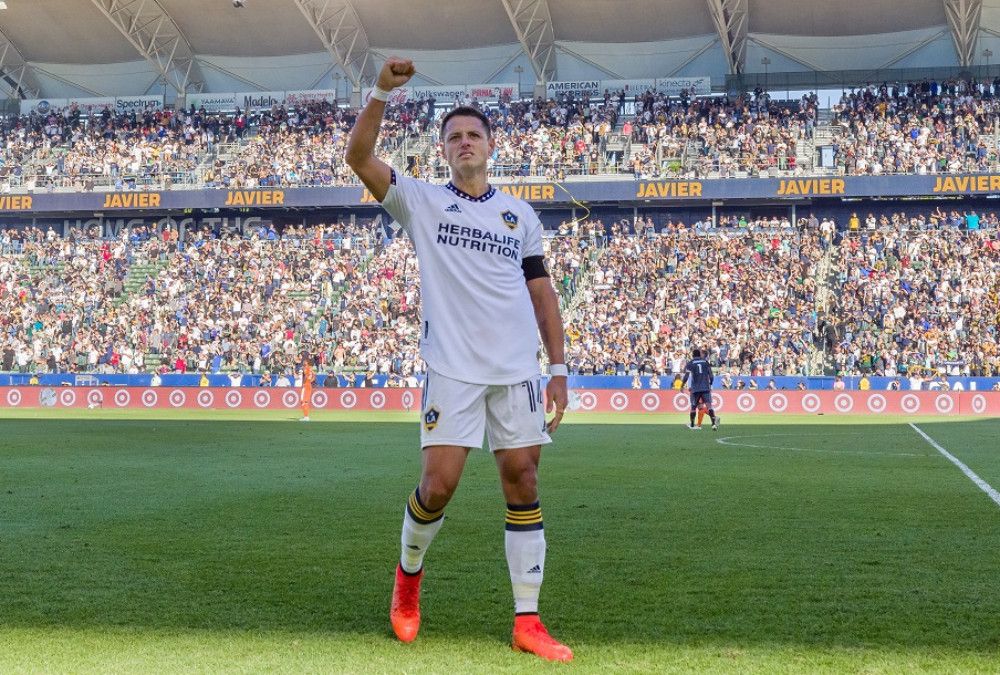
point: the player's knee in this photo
(436, 491)
(522, 478)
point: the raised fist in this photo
(395, 73)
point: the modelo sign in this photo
(260, 100)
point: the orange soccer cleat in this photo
(531, 636)
(405, 610)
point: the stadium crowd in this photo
(550, 138)
(748, 134)
(904, 298)
(917, 128)
(226, 303)
(66, 148)
(749, 297)
(919, 301)
(304, 145)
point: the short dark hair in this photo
(467, 111)
(696, 353)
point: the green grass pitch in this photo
(247, 542)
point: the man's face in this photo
(466, 143)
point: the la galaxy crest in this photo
(509, 219)
(431, 418)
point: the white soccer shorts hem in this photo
(462, 414)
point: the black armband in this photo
(534, 267)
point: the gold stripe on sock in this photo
(420, 512)
(524, 518)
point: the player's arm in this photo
(550, 326)
(687, 373)
(373, 172)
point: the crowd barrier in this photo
(584, 400)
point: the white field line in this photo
(969, 473)
(728, 440)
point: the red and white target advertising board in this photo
(207, 398)
(986, 404)
(792, 402)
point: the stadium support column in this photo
(964, 18)
(158, 38)
(339, 28)
(15, 75)
(731, 20)
(532, 23)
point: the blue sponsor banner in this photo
(537, 193)
(575, 381)
(177, 380)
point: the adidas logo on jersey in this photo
(453, 209)
(535, 570)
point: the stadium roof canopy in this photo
(74, 48)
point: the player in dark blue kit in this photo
(700, 372)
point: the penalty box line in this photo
(969, 473)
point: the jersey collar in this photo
(465, 195)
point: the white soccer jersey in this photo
(478, 320)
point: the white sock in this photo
(524, 541)
(419, 528)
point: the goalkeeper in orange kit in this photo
(306, 392)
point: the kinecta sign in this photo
(673, 86)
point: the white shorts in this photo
(459, 413)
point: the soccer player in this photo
(700, 373)
(485, 297)
(306, 392)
